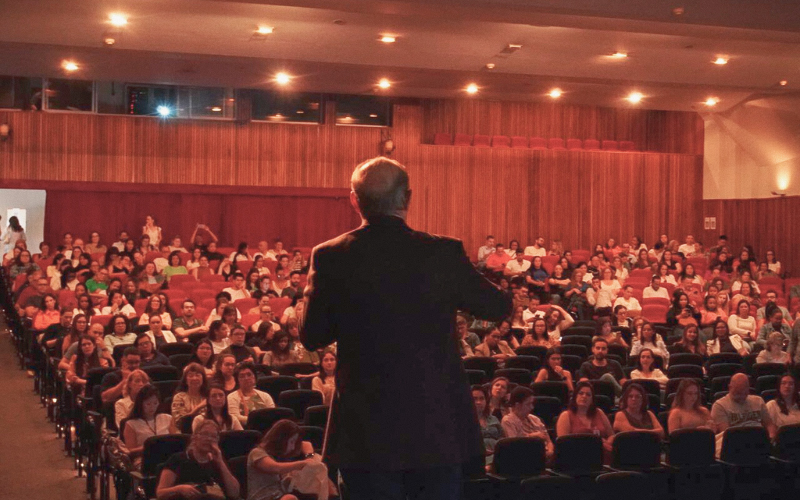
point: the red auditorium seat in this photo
(501, 141)
(181, 280)
(244, 305)
(591, 144)
(555, 143)
(462, 140)
(185, 257)
(627, 146)
(279, 305)
(519, 142)
(658, 301)
(609, 145)
(481, 141)
(654, 313)
(580, 255)
(442, 139)
(574, 144)
(151, 256)
(102, 319)
(538, 143)
(67, 298)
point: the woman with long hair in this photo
(642, 259)
(687, 410)
(742, 323)
(133, 384)
(80, 364)
(606, 330)
(280, 352)
(498, 397)
(117, 305)
(14, 233)
(156, 306)
(583, 417)
(217, 411)
(203, 355)
(218, 333)
(491, 430)
(558, 281)
(552, 371)
(325, 381)
(537, 335)
(724, 341)
(784, 410)
(224, 373)
(80, 325)
(690, 342)
(634, 414)
(22, 264)
(190, 396)
(645, 369)
(773, 264)
(649, 339)
(203, 267)
(682, 313)
(48, 314)
(174, 266)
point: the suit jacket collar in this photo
(385, 221)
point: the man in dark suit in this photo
(403, 421)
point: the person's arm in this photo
(235, 407)
(129, 436)
(767, 422)
(316, 327)
(541, 376)
(270, 466)
(621, 423)
(167, 489)
(657, 428)
(720, 418)
(115, 392)
(568, 381)
(66, 361)
(674, 421)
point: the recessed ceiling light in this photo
(265, 30)
(678, 11)
(490, 66)
(373, 115)
(635, 97)
(720, 60)
(384, 83)
(388, 38)
(70, 66)
(109, 40)
(300, 112)
(619, 55)
(472, 88)
(555, 93)
(118, 20)
(711, 101)
(282, 78)
(216, 109)
(783, 83)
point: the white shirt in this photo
(237, 294)
(275, 326)
(631, 305)
(661, 292)
(514, 267)
(272, 254)
(126, 310)
(168, 336)
(687, 249)
(778, 418)
(160, 263)
(527, 314)
(535, 252)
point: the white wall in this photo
(33, 201)
(753, 149)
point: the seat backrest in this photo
(578, 453)
(263, 419)
(481, 141)
(761, 369)
(531, 363)
(574, 144)
(158, 449)
(317, 416)
(538, 143)
(532, 350)
(745, 446)
(787, 443)
(175, 348)
(622, 485)
(555, 143)
(558, 390)
(684, 371)
(724, 357)
(313, 434)
(159, 373)
(520, 376)
(501, 141)
(590, 144)
(519, 457)
(238, 467)
(488, 365)
(293, 369)
(237, 443)
(276, 384)
(691, 448)
(299, 399)
(547, 409)
(462, 140)
(636, 450)
(609, 145)
(686, 358)
(180, 361)
(440, 139)
(519, 142)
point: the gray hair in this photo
(381, 186)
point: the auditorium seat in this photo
(244, 305)
(501, 141)
(538, 143)
(481, 141)
(574, 144)
(442, 139)
(609, 146)
(555, 143)
(182, 280)
(519, 142)
(591, 144)
(627, 146)
(462, 140)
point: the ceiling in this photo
(442, 45)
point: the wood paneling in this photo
(580, 197)
(659, 131)
(766, 224)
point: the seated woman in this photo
(607, 331)
(784, 410)
(217, 411)
(743, 323)
(520, 423)
(260, 265)
(552, 371)
(118, 333)
(88, 357)
(774, 353)
(583, 417)
(280, 352)
(280, 454)
(190, 474)
(633, 414)
(117, 305)
(682, 313)
(194, 261)
(687, 410)
(498, 397)
(745, 277)
(620, 271)
(610, 282)
(725, 341)
(746, 294)
(22, 264)
(85, 306)
(558, 281)
(224, 311)
(325, 381)
(517, 320)
(557, 319)
(151, 279)
(773, 264)
(711, 312)
(145, 422)
(537, 335)
(48, 314)
(203, 355)
(114, 263)
(664, 275)
(218, 334)
(155, 306)
(648, 338)
(203, 268)
(644, 369)
(247, 398)
(689, 343)
(491, 430)
(689, 272)
(174, 266)
(133, 384)
(223, 373)
(190, 396)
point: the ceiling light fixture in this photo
(384, 83)
(216, 109)
(711, 101)
(282, 78)
(265, 30)
(118, 20)
(109, 40)
(720, 60)
(163, 111)
(388, 38)
(490, 66)
(619, 55)
(70, 66)
(472, 88)
(555, 93)
(783, 83)
(373, 115)
(635, 97)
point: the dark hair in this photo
(480, 388)
(280, 335)
(639, 359)
(597, 339)
(194, 359)
(213, 329)
(277, 438)
(130, 351)
(172, 255)
(112, 322)
(145, 393)
(322, 374)
(183, 386)
(679, 395)
(573, 400)
(554, 351)
(227, 311)
(222, 295)
(82, 363)
(189, 301)
(209, 413)
(623, 399)
(781, 402)
(245, 365)
(13, 223)
(519, 394)
(148, 310)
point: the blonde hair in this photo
(126, 390)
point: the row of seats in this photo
(521, 142)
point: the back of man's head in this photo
(381, 187)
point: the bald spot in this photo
(381, 186)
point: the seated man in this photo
(462, 332)
(497, 260)
(599, 367)
(294, 286)
(31, 299)
(776, 324)
(277, 251)
(740, 409)
(123, 238)
(177, 245)
(494, 346)
(53, 335)
(655, 289)
(238, 289)
(630, 302)
(240, 351)
(689, 248)
(485, 250)
(187, 323)
(265, 310)
(517, 266)
(771, 299)
(600, 298)
(99, 282)
(537, 249)
(113, 382)
(163, 261)
(148, 354)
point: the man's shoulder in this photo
(343, 241)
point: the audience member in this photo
(237, 346)
(599, 367)
(552, 371)
(491, 430)
(784, 410)
(646, 370)
(190, 397)
(583, 417)
(218, 333)
(217, 411)
(325, 381)
(633, 414)
(494, 346)
(498, 397)
(776, 325)
(655, 289)
(689, 343)
(520, 423)
(773, 352)
(224, 373)
(145, 421)
(203, 355)
(648, 338)
(158, 335)
(280, 352)
(149, 355)
(131, 386)
(739, 408)
(724, 341)
(247, 398)
(687, 410)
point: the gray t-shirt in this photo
(261, 485)
(751, 413)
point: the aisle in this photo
(32, 463)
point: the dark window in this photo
(146, 100)
(6, 91)
(363, 110)
(281, 107)
(206, 103)
(69, 95)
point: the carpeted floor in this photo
(32, 462)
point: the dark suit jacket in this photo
(388, 295)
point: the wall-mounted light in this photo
(5, 132)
